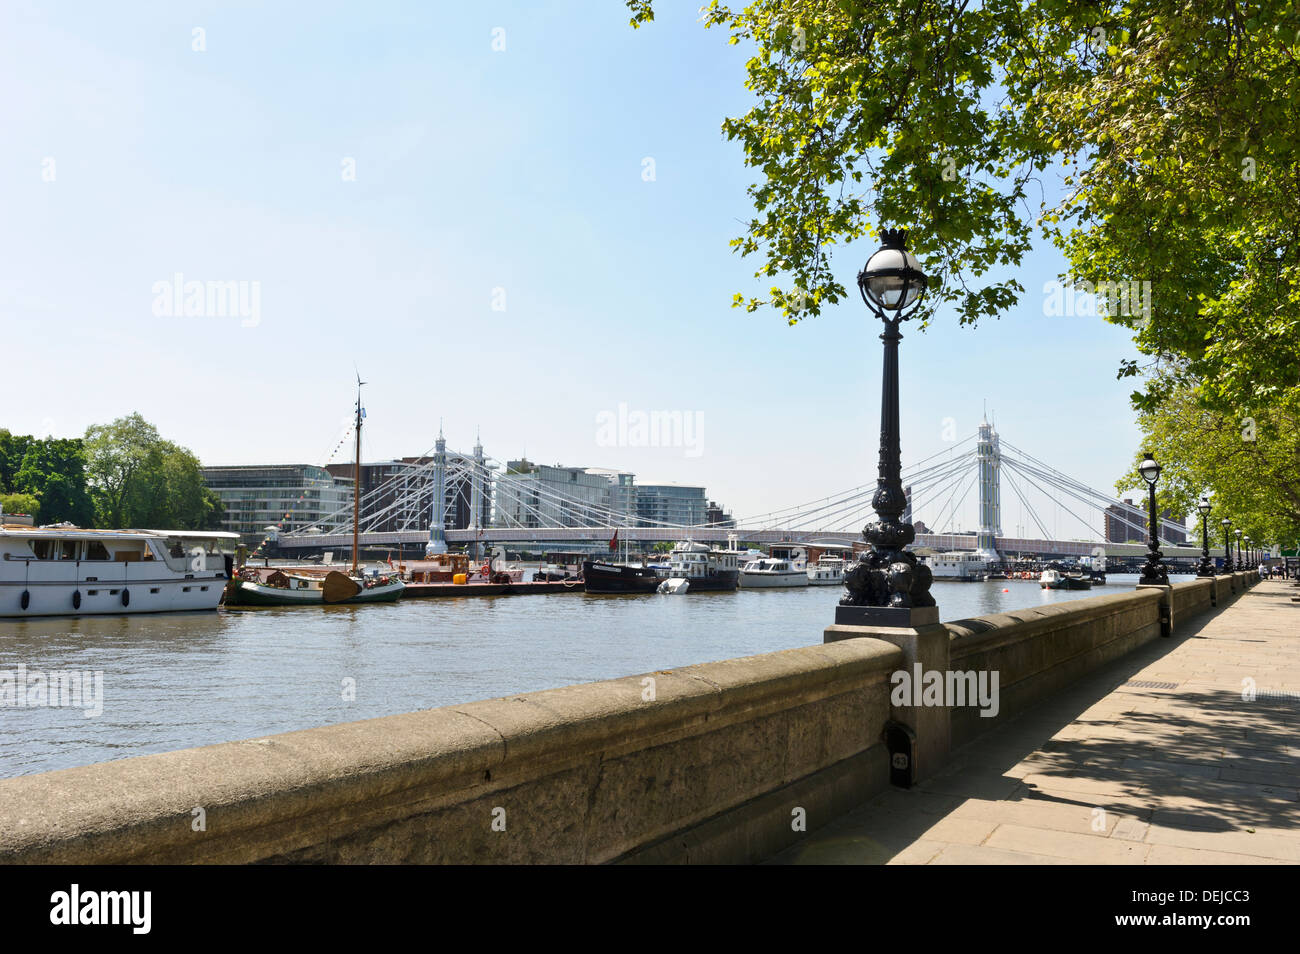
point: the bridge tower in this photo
(989, 454)
(437, 519)
(478, 480)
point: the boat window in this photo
(44, 549)
(68, 549)
(95, 550)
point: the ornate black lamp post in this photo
(1238, 533)
(1153, 571)
(887, 582)
(1207, 566)
(1227, 545)
(1250, 553)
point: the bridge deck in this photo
(717, 535)
(1188, 775)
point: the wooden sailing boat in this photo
(311, 587)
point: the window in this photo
(68, 549)
(44, 549)
(96, 550)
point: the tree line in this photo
(122, 474)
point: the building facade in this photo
(674, 504)
(1135, 530)
(287, 496)
(540, 495)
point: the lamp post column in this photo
(1207, 567)
(1153, 572)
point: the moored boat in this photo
(705, 569)
(64, 570)
(600, 577)
(957, 565)
(770, 574)
(827, 571)
(299, 588)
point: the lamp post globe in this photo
(1153, 571)
(887, 584)
(1206, 567)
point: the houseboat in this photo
(63, 570)
(601, 577)
(959, 565)
(705, 569)
(827, 571)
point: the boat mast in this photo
(356, 481)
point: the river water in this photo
(177, 680)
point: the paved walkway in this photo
(1112, 772)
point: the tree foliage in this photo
(1151, 141)
(140, 480)
(20, 503)
(1251, 462)
(50, 470)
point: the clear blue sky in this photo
(475, 170)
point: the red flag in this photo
(613, 541)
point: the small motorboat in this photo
(674, 586)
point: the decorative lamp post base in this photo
(906, 617)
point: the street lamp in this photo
(886, 582)
(1206, 568)
(1250, 553)
(1153, 571)
(1227, 545)
(1238, 533)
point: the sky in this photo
(510, 218)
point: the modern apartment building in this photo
(288, 496)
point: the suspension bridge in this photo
(417, 506)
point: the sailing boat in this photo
(309, 587)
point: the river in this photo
(177, 680)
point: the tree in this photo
(115, 453)
(54, 470)
(141, 480)
(1251, 465)
(13, 447)
(168, 491)
(20, 503)
(1170, 124)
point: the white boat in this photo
(708, 570)
(64, 570)
(962, 565)
(674, 586)
(827, 571)
(768, 573)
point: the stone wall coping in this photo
(967, 634)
